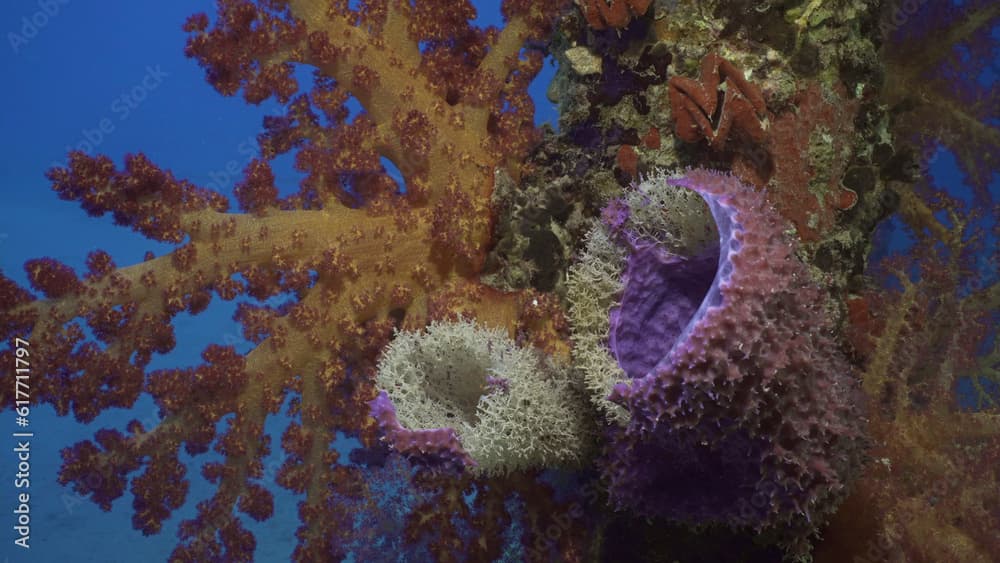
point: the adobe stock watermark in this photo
(925, 155)
(34, 23)
(120, 109)
(222, 179)
(750, 511)
(561, 524)
(898, 14)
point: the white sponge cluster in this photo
(594, 286)
(673, 217)
(511, 408)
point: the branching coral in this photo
(602, 14)
(358, 257)
(933, 492)
(928, 327)
(705, 334)
(937, 60)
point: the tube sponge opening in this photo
(734, 374)
(733, 401)
(456, 393)
(662, 293)
(644, 273)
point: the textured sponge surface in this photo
(643, 274)
(734, 404)
(662, 294)
(509, 407)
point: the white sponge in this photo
(511, 408)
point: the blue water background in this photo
(72, 68)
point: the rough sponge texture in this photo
(677, 220)
(674, 228)
(662, 293)
(461, 395)
(593, 286)
(742, 409)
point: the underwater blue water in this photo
(70, 69)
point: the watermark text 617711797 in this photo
(22, 443)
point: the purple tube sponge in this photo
(662, 293)
(741, 408)
(438, 447)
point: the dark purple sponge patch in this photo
(662, 294)
(672, 474)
